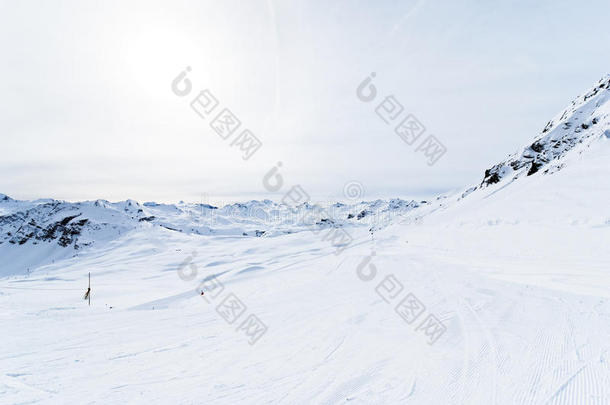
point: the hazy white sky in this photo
(87, 109)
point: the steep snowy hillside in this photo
(524, 186)
(573, 130)
(68, 224)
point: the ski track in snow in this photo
(331, 338)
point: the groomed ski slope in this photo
(518, 274)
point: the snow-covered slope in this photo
(47, 229)
(515, 270)
(584, 122)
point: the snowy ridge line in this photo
(583, 122)
(76, 225)
(81, 224)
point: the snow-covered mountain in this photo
(81, 224)
(73, 225)
(577, 128)
(515, 269)
(573, 130)
(48, 229)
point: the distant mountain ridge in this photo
(82, 224)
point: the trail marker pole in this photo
(87, 295)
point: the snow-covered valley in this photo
(496, 294)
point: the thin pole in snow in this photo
(87, 295)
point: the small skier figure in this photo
(201, 292)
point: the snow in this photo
(516, 271)
(583, 123)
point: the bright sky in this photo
(87, 108)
